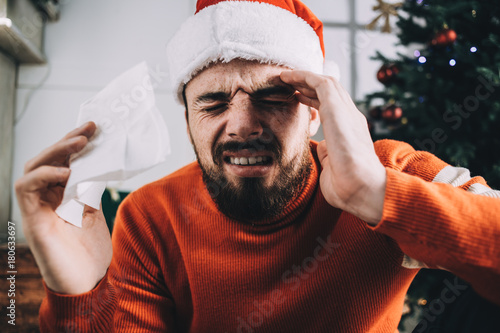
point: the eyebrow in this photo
(260, 93)
(273, 90)
(212, 96)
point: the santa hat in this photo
(280, 32)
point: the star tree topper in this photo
(386, 10)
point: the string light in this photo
(473, 49)
(453, 62)
(422, 60)
(416, 53)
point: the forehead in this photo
(237, 74)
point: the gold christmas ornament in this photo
(386, 10)
(422, 302)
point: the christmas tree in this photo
(444, 97)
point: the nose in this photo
(244, 120)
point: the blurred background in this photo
(56, 54)
(95, 41)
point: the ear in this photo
(314, 121)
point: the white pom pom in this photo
(331, 68)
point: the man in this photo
(268, 232)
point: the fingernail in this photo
(64, 171)
(75, 139)
(85, 124)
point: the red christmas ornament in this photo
(375, 113)
(387, 73)
(392, 113)
(394, 69)
(451, 35)
(444, 37)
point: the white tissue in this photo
(131, 137)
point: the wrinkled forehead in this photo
(237, 74)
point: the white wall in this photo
(350, 45)
(92, 43)
(95, 41)
(345, 36)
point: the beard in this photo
(250, 200)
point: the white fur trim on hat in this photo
(245, 30)
(331, 68)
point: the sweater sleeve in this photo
(441, 216)
(132, 297)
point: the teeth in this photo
(248, 161)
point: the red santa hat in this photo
(280, 32)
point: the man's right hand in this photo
(71, 260)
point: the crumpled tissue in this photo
(131, 137)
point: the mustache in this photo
(254, 145)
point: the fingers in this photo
(316, 90)
(310, 84)
(42, 178)
(58, 154)
(314, 85)
(312, 102)
(300, 81)
(305, 79)
(86, 129)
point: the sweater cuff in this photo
(77, 312)
(403, 205)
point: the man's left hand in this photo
(353, 179)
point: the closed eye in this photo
(272, 102)
(275, 103)
(275, 99)
(216, 108)
(272, 105)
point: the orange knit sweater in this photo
(179, 265)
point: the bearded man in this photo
(268, 231)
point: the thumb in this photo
(91, 212)
(322, 152)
